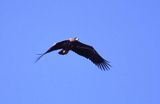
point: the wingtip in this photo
(39, 57)
(105, 66)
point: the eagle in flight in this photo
(81, 49)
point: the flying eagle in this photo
(81, 49)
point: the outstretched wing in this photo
(57, 46)
(90, 53)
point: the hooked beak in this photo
(76, 38)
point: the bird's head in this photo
(73, 39)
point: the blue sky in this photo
(126, 33)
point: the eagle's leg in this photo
(63, 52)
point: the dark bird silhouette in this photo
(81, 49)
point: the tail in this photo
(40, 56)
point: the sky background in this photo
(126, 33)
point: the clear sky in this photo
(126, 33)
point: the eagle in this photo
(87, 51)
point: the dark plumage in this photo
(81, 49)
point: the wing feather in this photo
(90, 53)
(56, 46)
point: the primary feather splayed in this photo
(81, 49)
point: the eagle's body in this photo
(84, 50)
